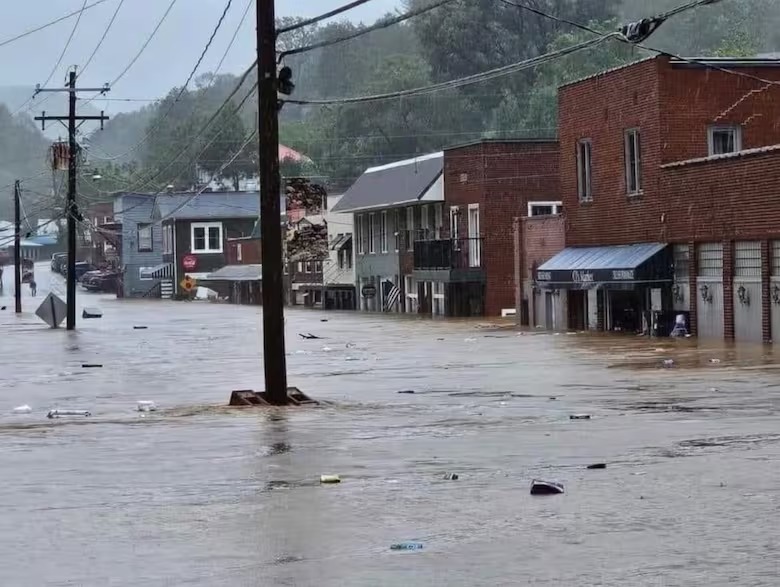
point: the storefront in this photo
(622, 288)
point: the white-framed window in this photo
(239, 253)
(454, 223)
(145, 242)
(206, 237)
(145, 273)
(438, 220)
(724, 138)
(544, 208)
(397, 228)
(308, 267)
(371, 233)
(299, 268)
(424, 226)
(167, 240)
(410, 228)
(383, 232)
(318, 267)
(584, 170)
(475, 244)
(361, 249)
(633, 151)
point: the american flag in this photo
(391, 294)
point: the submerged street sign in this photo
(52, 311)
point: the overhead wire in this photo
(314, 20)
(51, 23)
(150, 131)
(380, 24)
(102, 38)
(463, 81)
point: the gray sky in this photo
(168, 59)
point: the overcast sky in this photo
(170, 56)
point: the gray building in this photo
(393, 206)
(141, 255)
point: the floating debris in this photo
(597, 466)
(146, 406)
(714, 361)
(25, 409)
(539, 487)
(91, 366)
(668, 363)
(451, 476)
(61, 413)
(407, 546)
(92, 313)
(326, 349)
(410, 391)
(330, 479)
(140, 327)
(309, 336)
(579, 417)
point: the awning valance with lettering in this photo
(617, 266)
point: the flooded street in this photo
(198, 494)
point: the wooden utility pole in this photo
(71, 209)
(17, 248)
(274, 359)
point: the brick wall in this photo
(543, 237)
(502, 177)
(250, 252)
(672, 105)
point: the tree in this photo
(226, 137)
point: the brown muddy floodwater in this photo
(197, 494)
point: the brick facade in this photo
(543, 238)
(672, 105)
(501, 177)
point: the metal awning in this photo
(588, 267)
(236, 273)
(341, 241)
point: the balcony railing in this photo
(463, 253)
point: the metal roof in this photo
(236, 273)
(398, 183)
(208, 205)
(341, 241)
(595, 258)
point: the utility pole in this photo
(17, 248)
(274, 360)
(71, 209)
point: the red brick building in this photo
(664, 158)
(543, 237)
(487, 184)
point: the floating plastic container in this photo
(25, 409)
(450, 476)
(539, 487)
(61, 413)
(597, 466)
(407, 546)
(579, 417)
(146, 406)
(330, 479)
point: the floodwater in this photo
(198, 494)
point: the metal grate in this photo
(682, 262)
(776, 258)
(710, 260)
(747, 259)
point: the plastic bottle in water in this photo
(407, 546)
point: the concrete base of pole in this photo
(247, 397)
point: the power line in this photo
(103, 38)
(321, 17)
(381, 24)
(146, 43)
(52, 23)
(467, 80)
(150, 131)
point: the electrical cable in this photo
(103, 38)
(150, 131)
(52, 23)
(321, 17)
(467, 80)
(381, 24)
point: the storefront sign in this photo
(368, 291)
(582, 276)
(543, 276)
(623, 275)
